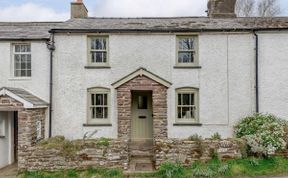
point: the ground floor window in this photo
(187, 105)
(98, 105)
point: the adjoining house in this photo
(138, 79)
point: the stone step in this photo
(141, 164)
(139, 153)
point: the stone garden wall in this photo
(186, 151)
(75, 154)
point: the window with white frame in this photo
(22, 60)
(187, 50)
(98, 50)
(98, 102)
(187, 105)
(2, 127)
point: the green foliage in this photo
(264, 133)
(216, 136)
(89, 173)
(195, 138)
(170, 170)
(103, 141)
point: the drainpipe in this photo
(51, 47)
(256, 70)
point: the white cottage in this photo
(139, 78)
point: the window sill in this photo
(97, 67)
(187, 67)
(97, 125)
(187, 124)
(20, 78)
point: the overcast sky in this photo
(59, 10)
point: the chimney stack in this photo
(78, 9)
(221, 8)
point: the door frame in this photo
(150, 103)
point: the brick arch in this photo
(159, 104)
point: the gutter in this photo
(256, 70)
(51, 47)
(171, 30)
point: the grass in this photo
(89, 173)
(249, 167)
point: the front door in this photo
(142, 121)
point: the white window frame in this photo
(98, 90)
(90, 63)
(2, 128)
(195, 50)
(13, 67)
(187, 90)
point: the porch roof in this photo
(27, 99)
(140, 72)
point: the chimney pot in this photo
(78, 9)
(221, 8)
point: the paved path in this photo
(9, 171)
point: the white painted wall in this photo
(7, 142)
(273, 73)
(225, 80)
(38, 84)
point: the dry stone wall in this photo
(186, 151)
(39, 157)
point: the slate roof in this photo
(26, 30)
(40, 30)
(26, 96)
(173, 24)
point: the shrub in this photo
(264, 133)
(195, 137)
(216, 136)
(170, 170)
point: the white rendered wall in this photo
(7, 142)
(226, 80)
(273, 73)
(38, 84)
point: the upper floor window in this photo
(98, 101)
(187, 50)
(187, 105)
(22, 60)
(98, 50)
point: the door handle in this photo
(142, 117)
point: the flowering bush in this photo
(264, 133)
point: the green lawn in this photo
(250, 167)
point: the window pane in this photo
(98, 44)
(23, 73)
(186, 99)
(192, 99)
(93, 114)
(92, 99)
(105, 99)
(179, 99)
(186, 43)
(105, 113)
(142, 102)
(187, 112)
(17, 73)
(99, 112)
(99, 99)
(179, 112)
(186, 57)
(17, 48)
(28, 73)
(99, 57)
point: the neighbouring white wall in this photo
(273, 73)
(7, 142)
(38, 84)
(226, 79)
